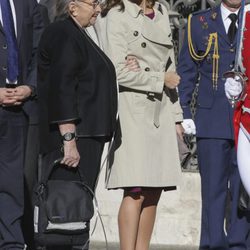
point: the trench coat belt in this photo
(157, 113)
(151, 96)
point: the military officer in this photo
(207, 53)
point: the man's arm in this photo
(28, 88)
(188, 71)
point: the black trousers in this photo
(90, 150)
(13, 132)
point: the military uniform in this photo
(206, 55)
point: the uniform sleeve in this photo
(188, 71)
(63, 80)
(116, 48)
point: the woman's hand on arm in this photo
(71, 155)
(171, 80)
(132, 63)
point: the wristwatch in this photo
(69, 136)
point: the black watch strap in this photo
(69, 136)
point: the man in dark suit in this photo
(205, 58)
(20, 29)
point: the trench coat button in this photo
(143, 45)
(4, 68)
(147, 69)
(136, 33)
(5, 46)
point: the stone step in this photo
(115, 246)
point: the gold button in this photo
(143, 45)
(136, 33)
(147, 69)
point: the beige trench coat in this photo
(148, 155)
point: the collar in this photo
(226, 12)
(134, 10)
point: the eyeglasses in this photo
(94, 4)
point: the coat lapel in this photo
(150, 29)
(1, 26)
(19, 17)
(218, 25)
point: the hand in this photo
(7, 97)
(171, 80)
(132, 64)
(179, 131)
(71, 155)
(189, 126)
(22, 92)
(233, 87)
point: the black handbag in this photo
(62, 210)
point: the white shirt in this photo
(224, 14)
(13, 14)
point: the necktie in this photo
(9, 31)
(232, 28)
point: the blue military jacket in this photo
(214, 114)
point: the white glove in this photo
(233, 87)
(189, 126)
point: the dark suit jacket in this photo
(29, 29)
(44, 13)
(214, 114)
(76, 82)
(50, 5)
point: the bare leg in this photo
(128, 219)
(147, 218)
(243, 158)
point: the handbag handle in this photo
(46, 174)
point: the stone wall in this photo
(178, 217)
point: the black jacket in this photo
(76, 82)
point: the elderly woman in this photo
(77, 93)
(147, 161)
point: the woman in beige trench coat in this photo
(147, 160)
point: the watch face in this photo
(68, 136)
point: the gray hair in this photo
(61, 9)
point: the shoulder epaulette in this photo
(199, 12)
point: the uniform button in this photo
(143, 45)
(147, 69)
(232, 50)
(136, 33)
(4, 68)
(5, 46)
(231, 65)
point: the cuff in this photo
(157, 79)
